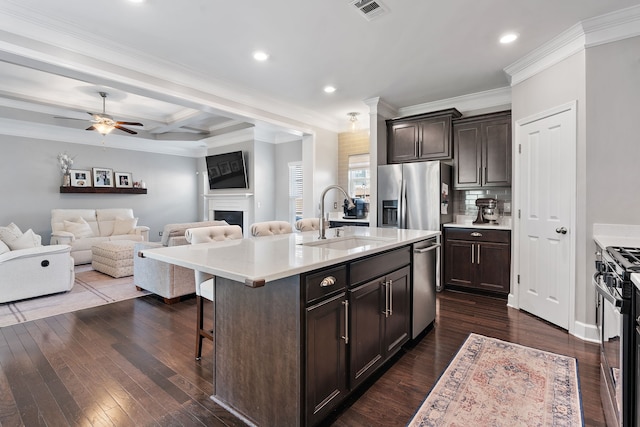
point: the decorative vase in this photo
(66, 180)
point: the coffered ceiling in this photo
(185, 68)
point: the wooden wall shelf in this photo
(103, 190)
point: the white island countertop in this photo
(466, 221)
(257, 260)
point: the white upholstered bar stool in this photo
(204, 281)
(270, 228)
(308, 224)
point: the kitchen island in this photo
(300, 323)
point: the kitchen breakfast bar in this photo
(299, 323)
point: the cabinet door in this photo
(493, 267)
(397, 322)
(403, 138)
(467, 145)
(326, 370)
(366, 317)
(496, 153)
(435, 139)
(459, 262)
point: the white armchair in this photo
(166, 280)
(33, 272)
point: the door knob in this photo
(561, 230)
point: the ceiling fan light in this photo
(103, 128)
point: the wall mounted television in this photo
(227, 171)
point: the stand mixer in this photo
(487, 211)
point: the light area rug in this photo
(91, 289)
(491, 382)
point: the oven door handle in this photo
(604, 292)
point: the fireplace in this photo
(232, 217)
(234, 208)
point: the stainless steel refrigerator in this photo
(417, 196)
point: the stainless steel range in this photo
(616, 326)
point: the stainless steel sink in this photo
(348, 242)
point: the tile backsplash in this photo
(464, 201)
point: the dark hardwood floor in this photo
(132, 364)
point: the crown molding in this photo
(380, 108)
(613, 26)
(471, 102)
(603, 29)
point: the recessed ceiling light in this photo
(508, 38)
(136, 1)
(329, 89)
(260, 55)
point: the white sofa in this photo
(33, 272)
(167, 280)
(67, 228)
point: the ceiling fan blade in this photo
(90, 128)
(125, 129)
(68, 118)
(129, 123)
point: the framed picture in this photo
(123, 180)
(235, 166)
(214, 172)
(224, 168)
(102, 177)
(80, 178)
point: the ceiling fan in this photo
(103, 123)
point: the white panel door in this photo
(547, 171)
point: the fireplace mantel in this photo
(228, 195)
(231, 202)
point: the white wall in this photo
(285, 153)
(320, 169)
(31, 178)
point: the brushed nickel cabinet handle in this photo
(478, 253)
(345, 337)
(476, 234)
(328, 281)
(386, 298)
(473, 253)
(390, 297)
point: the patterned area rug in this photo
(91, 289)
(496, 383)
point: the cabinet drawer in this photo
(478, 234)
(379, 265)
(314, 285)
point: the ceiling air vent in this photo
(370, 9)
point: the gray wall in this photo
(613, 142)
(605, 80)
(557, 85)
(264, 183)
(31, 179)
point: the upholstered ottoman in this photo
(114, 258)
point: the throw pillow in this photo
(4, 248)
(10, 232)
(79, 228)
(28, 240)
(124, 225)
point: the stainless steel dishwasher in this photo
(426, 278)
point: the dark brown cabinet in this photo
(352, 329)
(420, 137)
(477, 259)
(326, 342)
(482, 151)
(326, 357)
